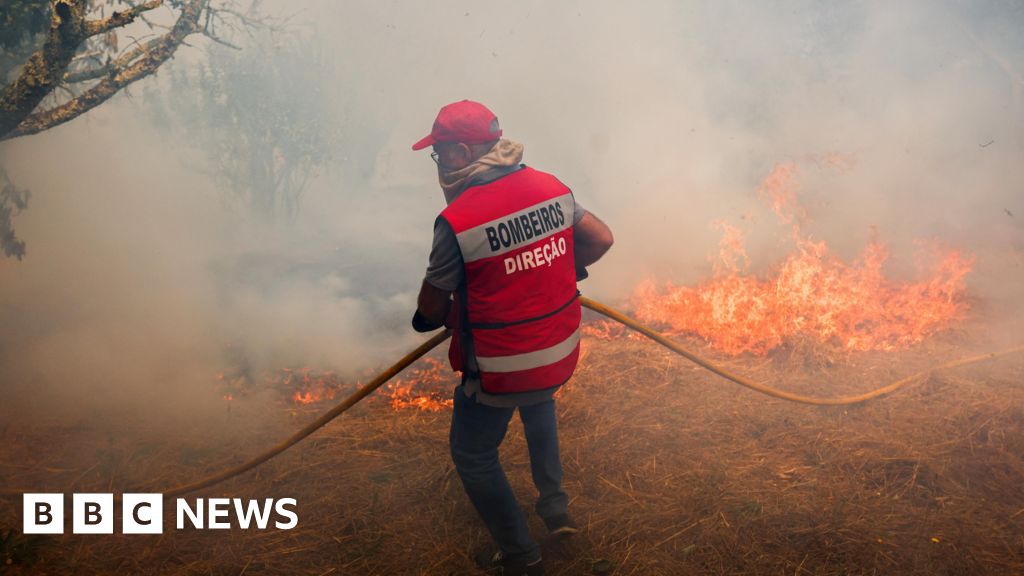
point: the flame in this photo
(780, 188)
(606, 330)
(811, 293)
(602, 330)
(310, 387)
(426, 388)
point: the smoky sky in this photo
(139, 282)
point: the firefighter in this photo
(507, 252)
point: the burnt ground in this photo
(671, 470)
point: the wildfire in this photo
(811, 293)
(602, 330)
(425, 387)
(309, 387)
(428, 387)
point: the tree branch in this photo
(119, 19)
(45, 68)
(88, 74)
(149, 58)
(220, 41)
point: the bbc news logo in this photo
(143, 513)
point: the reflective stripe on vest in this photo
(530, 360)
(507, 233)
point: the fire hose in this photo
(368, 388)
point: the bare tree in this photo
(69, 29)
(62, 58)
(260, 117)
(12, 201)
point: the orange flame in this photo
(426, 388)
(812, 292)
(311, 387)
(780, 188)
(602, 330)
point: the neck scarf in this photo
(505, 154)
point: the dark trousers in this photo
(477, 431)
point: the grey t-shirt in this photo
(445, 272)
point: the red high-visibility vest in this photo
(521, 309)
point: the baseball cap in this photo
(466, 121)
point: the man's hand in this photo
(421, 324)
(591, 239)
(432, 308)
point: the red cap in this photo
(466, 121)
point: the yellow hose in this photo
(315, 425)
(363, 391)
(422, 349)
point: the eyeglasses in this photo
(435, 157)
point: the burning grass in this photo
(670, 471)
(811, 293)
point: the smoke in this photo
(664, 118)
(139, 284)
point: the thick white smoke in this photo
(662, 117)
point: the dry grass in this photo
(670, 471)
